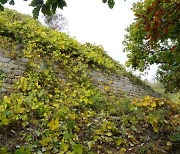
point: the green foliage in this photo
(154, 39)
(57, 22)
(47, 7)
(157, 86)
(2, 76)
(51, 126)
(47, 113)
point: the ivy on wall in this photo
(48, 114)
(2, 76)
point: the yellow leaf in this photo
(4, 120)
(106, 88)
(168, 143)
(72, 116)
(2, 108)
(123, 150)
(153, 104)
(155, 129)
(144, 103)
(37, 85)
(24, 83)
(109, 134)
(45, 115)
(90, 144)
(147, 98)
(56, 105)
(19, 110)
(7, 99)
(34, 106)
(19, 101)
(161, 103)
(50, 96)
(134, 101)
(119, 141)
(45, 141)
(97, 131)
(54, 124)
(64, 147)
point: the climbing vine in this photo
(2, 76)
(48, 113)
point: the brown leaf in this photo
(157, 13)
(155, 3)
(156, 20)
(165, 30)
(149, 9)
(148, 36)
(173, 48)
(147, 26)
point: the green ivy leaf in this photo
(70, 125)
(67, 135)
(78, 149)
(20, 151)
(3, 150)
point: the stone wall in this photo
(12, 68)
(120, 85)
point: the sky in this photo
(94, 22)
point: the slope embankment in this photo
(60, 96)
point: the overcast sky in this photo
(92, 21)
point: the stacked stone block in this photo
(121, 83)
(14, 68)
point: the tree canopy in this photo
(154, 39)
(57, 22)
(48, 7)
